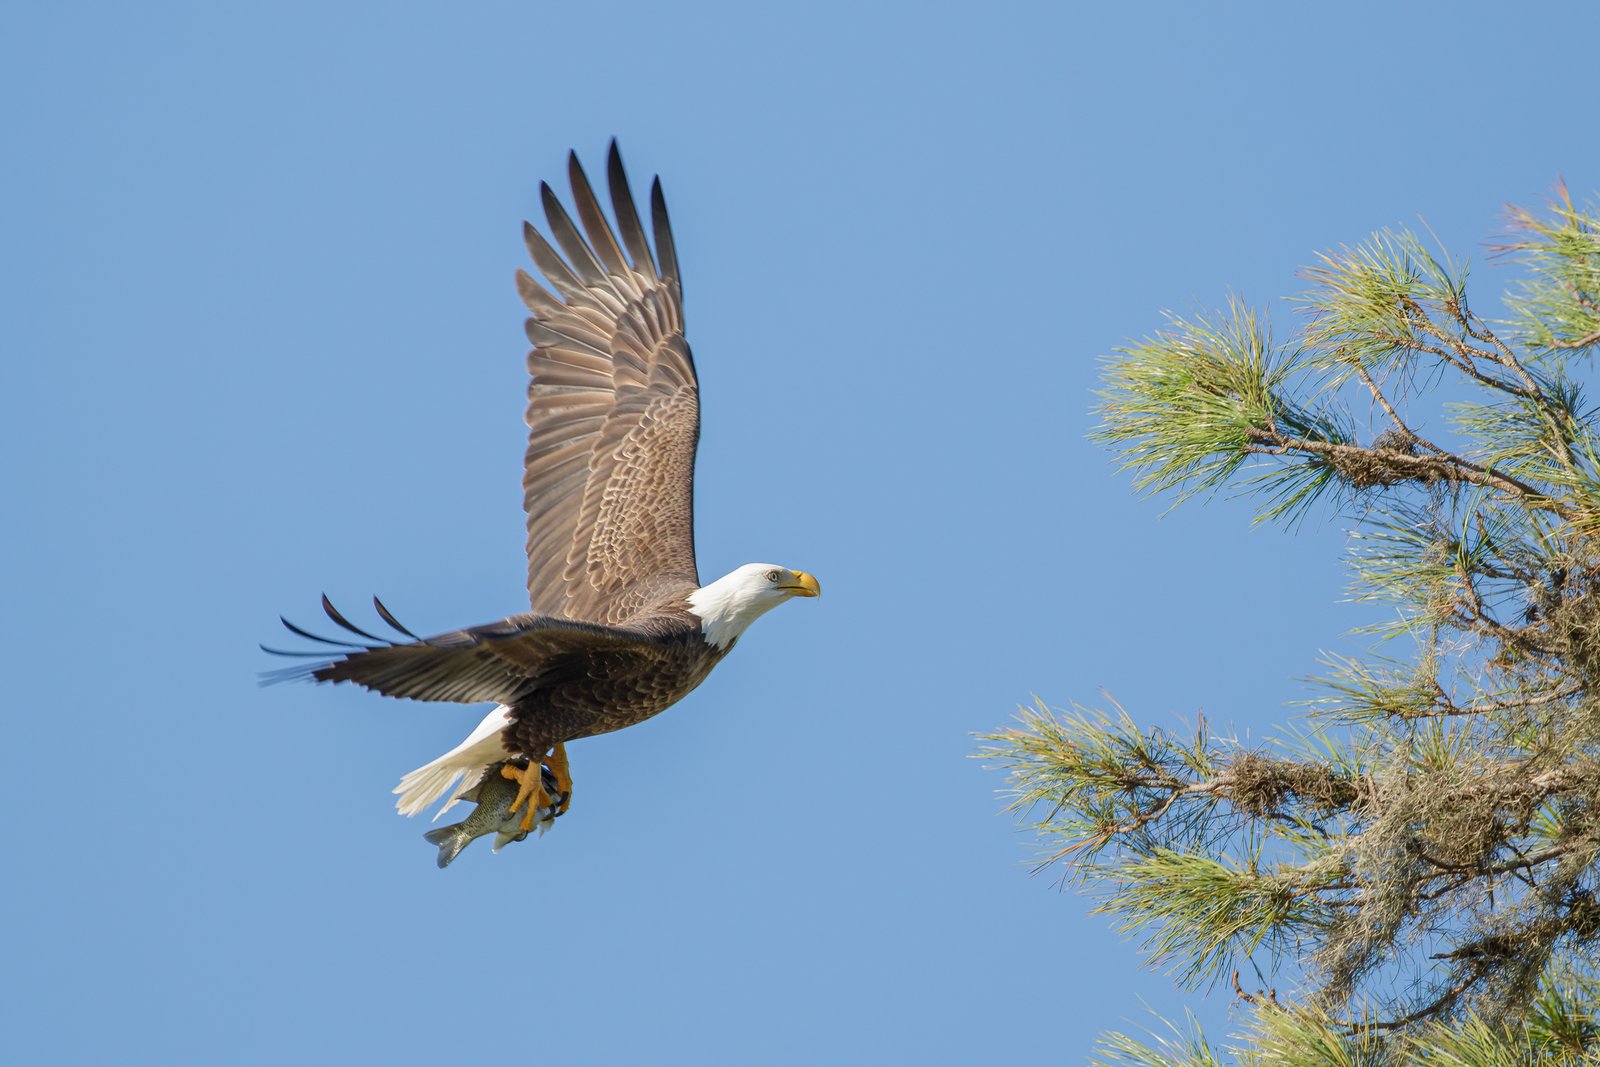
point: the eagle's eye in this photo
(772, 576)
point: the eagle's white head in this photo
(739, 598)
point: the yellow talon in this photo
(557, 762)
(530, 790)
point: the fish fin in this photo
(501, 840)
(449, 841)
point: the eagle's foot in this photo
(562, 770)
(530, 790)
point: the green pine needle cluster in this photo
(1417, 862)
(1560, 1031)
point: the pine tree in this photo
(1409, 874)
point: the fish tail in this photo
(450, 840)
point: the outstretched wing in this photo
(502, 661)
(613, 410)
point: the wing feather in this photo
(628, 215)
(579, 256)
(666, 251)
(501, 662)
(552, 266)
(535, 297)
(594, 222)
(613, 409)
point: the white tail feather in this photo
(481, 750)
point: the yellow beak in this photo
(803, 585)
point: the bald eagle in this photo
(621, 627)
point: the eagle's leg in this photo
(557, 762)
(530, 790)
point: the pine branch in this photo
(1423, 861)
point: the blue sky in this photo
(263, 342)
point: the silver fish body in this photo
(493, 797)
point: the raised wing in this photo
(613, 410)
(502, 661)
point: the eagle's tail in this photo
(481, 750)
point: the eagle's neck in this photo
(727, 607)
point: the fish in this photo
(493, 796)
